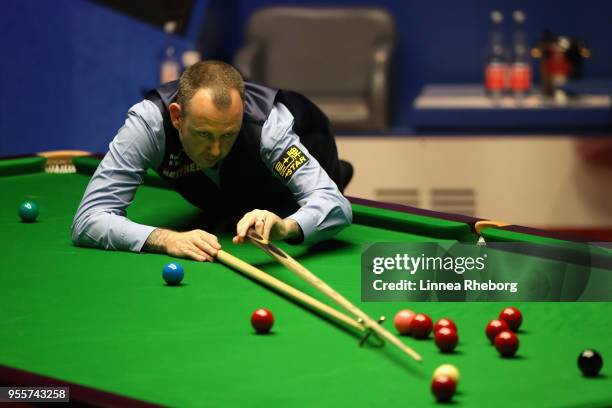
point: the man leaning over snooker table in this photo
(236, 150)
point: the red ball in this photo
(421, 326)
(443, 387)
(495, 327)
(262, 320)
(446, 339)
(403, 320)
(512, 316)
(444, 323)
(507, 343)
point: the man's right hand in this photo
(196, 244)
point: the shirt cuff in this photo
(133, 235)
(308, 225)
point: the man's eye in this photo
(227, 136)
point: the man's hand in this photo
(196, 244)
(267, 224)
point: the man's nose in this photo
(215, 149)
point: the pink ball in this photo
(402, 321)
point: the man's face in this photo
(207, 133)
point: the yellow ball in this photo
(448, 370)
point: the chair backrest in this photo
(320, 50)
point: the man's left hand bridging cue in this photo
(267, 224)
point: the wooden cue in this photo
(293, 265)
(288, 290)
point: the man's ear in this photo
(175, 114)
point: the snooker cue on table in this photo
(288, 290)
(293, 265)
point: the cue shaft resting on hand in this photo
(288, 290)
(293, 265)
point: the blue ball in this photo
(28, 211)
(173, 273)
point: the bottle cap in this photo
(497, 16)
(190, 58)
(170, 27)
(519, 16)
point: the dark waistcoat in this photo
(245, 182)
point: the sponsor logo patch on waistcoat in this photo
(178, 166)
(290, 161)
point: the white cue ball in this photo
(448, 370)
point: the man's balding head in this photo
(217, 77)
(208, 111)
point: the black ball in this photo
(590, 362)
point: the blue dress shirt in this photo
(101, 219)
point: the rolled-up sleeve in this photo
(324, 211)
(101, 219)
